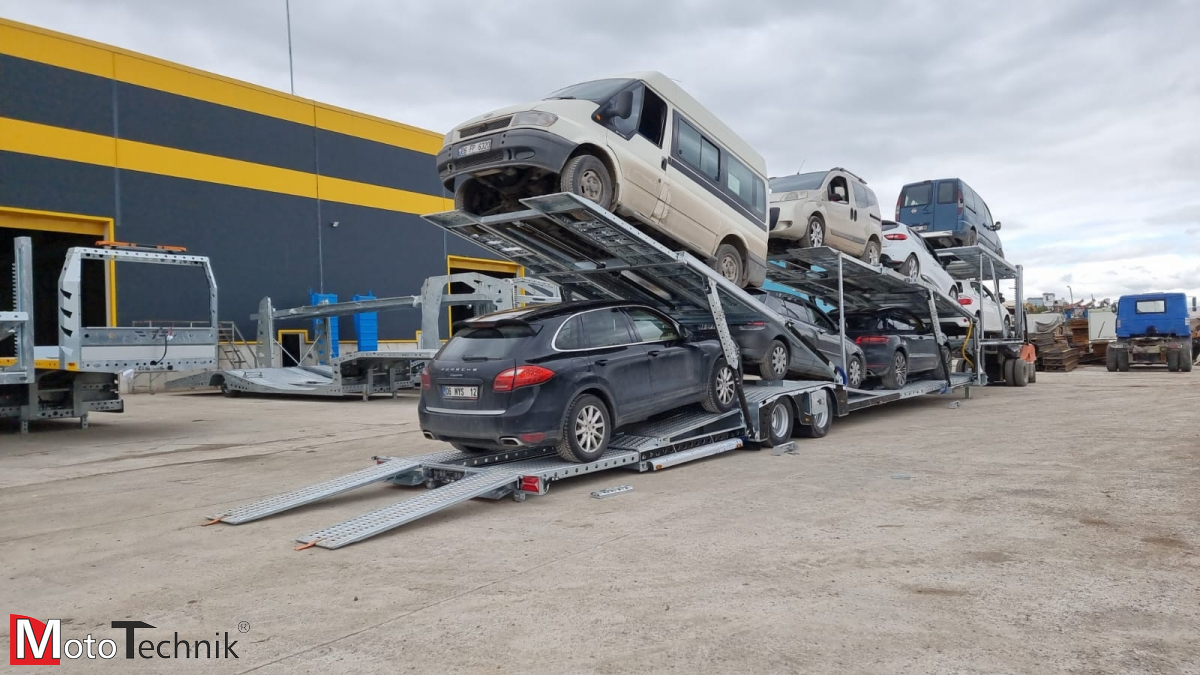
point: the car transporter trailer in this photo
(363, 373)
(79, 374)
(593, 254)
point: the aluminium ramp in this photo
(859, 399)
(593, 254)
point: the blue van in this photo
(947, 212)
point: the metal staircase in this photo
(229, 340)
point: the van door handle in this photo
(654, 352)
(664, 164)
(602, 362)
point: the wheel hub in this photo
(589, 428)
(725, 386)
(590, 185)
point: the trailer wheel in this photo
(229, 393)
(1122, 360)
(1110, 360)
(1173, 360)
(780, 419)
(774, 362)
(822, 417)
(1185, 360)
(586, 431)
(1020, 373)
(721, 394)
(1032, 369)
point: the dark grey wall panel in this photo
(160, 118)
(260, 243)
(366, 161)
(36, 92)
(31, 182)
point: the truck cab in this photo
(1152, 328)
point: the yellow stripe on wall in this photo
(77, 146)
(67, 51)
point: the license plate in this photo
(460, 392)
(473, 148)
(919, 228)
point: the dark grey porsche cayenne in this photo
(567, 376)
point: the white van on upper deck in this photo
(635, 144)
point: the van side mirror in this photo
(996, 226)
(624, 104)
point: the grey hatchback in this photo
(768, 353)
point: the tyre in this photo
(1110, 360)
(815, 236)
(229, 393)
(1032, 368)
(897, 375)
(972, 239)
(1123, 361)
(469, 448)
(586, 430)
(1185, 360)
(943, 366)
(1173, 360)
(855, 373)
(476, 198)
(822, 416)
(774, 362)
(588, 177)
(1020, 373)
(721, 394)
(779, 423)
(911, 269)
(728, 263)
(871, 255)
(1000, 253)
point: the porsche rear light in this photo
(870, 340)
(899, 236)
(521, 376)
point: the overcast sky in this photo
(1078, 121)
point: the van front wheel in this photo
(588, 177)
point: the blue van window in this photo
(916, 195)
(947, 194)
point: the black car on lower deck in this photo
(898, 344)
(567, 376)
(770, 354)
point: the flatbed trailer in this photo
(593, 254)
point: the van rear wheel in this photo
(588, 177)
(728, 263)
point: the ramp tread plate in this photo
(334, 486)
(387, 518)
(679, 424)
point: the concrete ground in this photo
(1047, 529)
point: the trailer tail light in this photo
(531, 484)
(521, 376)
(425, 379)
(871, 340)
(965, 301)
(896, 237)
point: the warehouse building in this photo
(285, 195)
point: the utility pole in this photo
(287, 6)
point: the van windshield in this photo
(800, 181)
(916, 195)
(597, 91)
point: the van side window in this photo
(743, 185)
(654, 118)
(946, 192)
(969, 195)
(860, 195)
(697, 151)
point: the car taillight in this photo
(754, 325)
(960, 202)
(896, 237)
(424, 379)
(870, 340)
(965, 301)
(521, 376)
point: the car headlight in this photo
(534, 118)
(793, 196)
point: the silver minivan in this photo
(637, 145)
